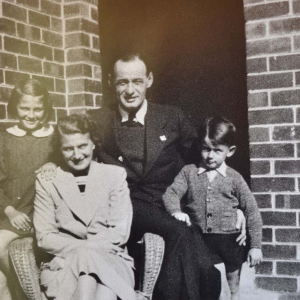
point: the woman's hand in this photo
(182, 217)
(57, 263)
(254, 257)
(241, 225)
(18, 219)
(48, 171)
(104, 245)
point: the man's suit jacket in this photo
(168, 140)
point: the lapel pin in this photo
(163, 138)
(120, 158)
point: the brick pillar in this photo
(56, 42)
(83, 73)
(273, 65)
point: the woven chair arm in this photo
(154, 246)
(22, 256)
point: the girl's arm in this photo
(17, 219)
(4, 201)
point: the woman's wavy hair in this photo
(76, 123)
(31, 87)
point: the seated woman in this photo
(83, 218)
(24, 148)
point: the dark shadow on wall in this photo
(197, 49)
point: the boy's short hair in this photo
(31, 87)
(219, 130)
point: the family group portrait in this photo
(149, 150)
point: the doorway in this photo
(198, 54)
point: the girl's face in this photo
(30, 112)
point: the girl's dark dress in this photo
(20, 157)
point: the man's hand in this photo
(182, 217)
(104, 245)
(57, 263)
(254, 257)
(18, 219)
(48, 171)
(241, 225)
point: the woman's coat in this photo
(67, 223)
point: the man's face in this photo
(131, 83)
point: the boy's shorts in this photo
(225, 246)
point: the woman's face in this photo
(77, 150)
(30, 112)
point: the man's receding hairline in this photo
(136, 57)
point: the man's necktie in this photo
(131, 122)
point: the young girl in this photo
(214, 193)
(24, 148)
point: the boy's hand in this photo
(254, 257)
(57, 263)
(241, 225)
(48, 171)
(183, 217)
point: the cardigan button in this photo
(209, 229)
(209, 215)
(208, 200)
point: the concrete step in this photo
(248, 290)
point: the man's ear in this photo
(231, 151)
(150, 80)
(110, 80)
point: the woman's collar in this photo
(46, 130)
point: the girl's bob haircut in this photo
(30, 87)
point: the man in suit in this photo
(152, 142)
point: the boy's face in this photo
(214, 156)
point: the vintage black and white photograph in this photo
(149, 150)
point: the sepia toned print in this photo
(233, 58)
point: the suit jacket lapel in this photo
(69, 191)
(83, 207)
(110, 138)
(108, 131)
(94, 192)
(155, 122)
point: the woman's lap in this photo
(105, 266)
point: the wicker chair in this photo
(21, 252)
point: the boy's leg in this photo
(233, 256)
(233, 279)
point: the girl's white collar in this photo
(46, 130)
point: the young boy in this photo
(214, 192)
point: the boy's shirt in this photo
(211, 174)
(212, 205)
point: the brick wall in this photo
(56, 42)
(273, 66)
